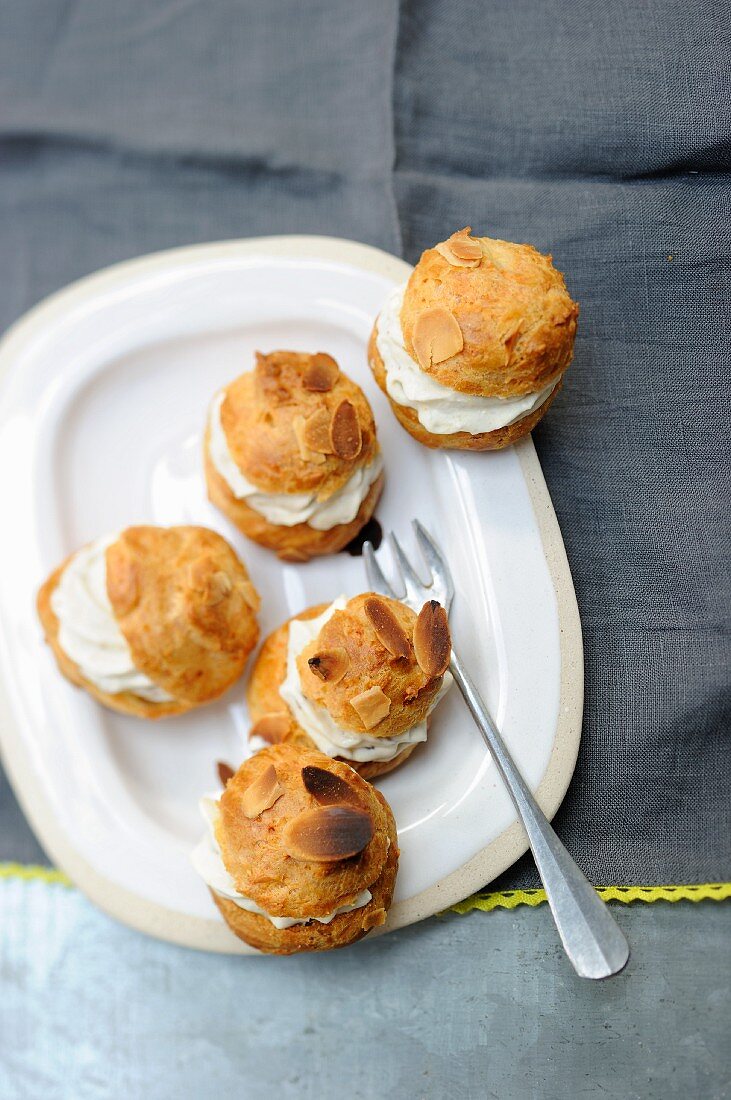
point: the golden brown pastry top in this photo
(297, 424)
(488, 317)
(364, 666)
(185, 605)
(285, 816)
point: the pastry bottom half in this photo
(263, 697)
(313, 936)
(298, 543)
(457, 441)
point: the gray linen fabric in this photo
(595, 130)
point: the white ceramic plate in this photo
(104, 393)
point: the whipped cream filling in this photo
(289, 509)
(317, 722)
(441, 410)
(88, 631)
(207, 861)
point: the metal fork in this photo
(590, 935)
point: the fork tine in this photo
(433, 557)
(376, 579)
(413, 583)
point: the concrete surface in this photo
(478, 1006)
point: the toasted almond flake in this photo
(221, 586)
(371, 706)
(262, 794)
(298, 425)
(465, 247)
(510, 338)
(328, 834)
(432, 641)
(445, 250)
(461, 250)
(272, 728)
(388, 629)
(225, 772)
(210, 584)
(251, 596)
(326, 787)
(268, 374)
(321, 374)
(373, 918)
(345, 433)
(436, 336)
(329, 665)
(316, 432)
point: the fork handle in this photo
(591, 937)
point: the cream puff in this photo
(300, 853)
(471, 350)
(356, 679)
(152, 621)
(291, 455)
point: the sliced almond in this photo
(345, 433)
(251, 596)
(461, 250)
(268, 373)
(432, 641)
(262, 794)
(272, 728)
(326, 787)
(445, 250)
(371, 706)
(316, 432)
(436, 337)
(330, 665)
(307, 455)
(373, 918)
(328, 834)
(321, 374)
(510, 337)
(211, 584)
(225, 772)
(388, 629)
(465, 247)
(219, 587)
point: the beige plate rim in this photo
(212, 935)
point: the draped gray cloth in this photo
(597, 131)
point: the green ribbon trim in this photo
(485, 900)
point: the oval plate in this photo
(104, 394)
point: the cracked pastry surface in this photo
(472, 349)
(352, 679)
(152, 621)
(291, 455)
(300, 853)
